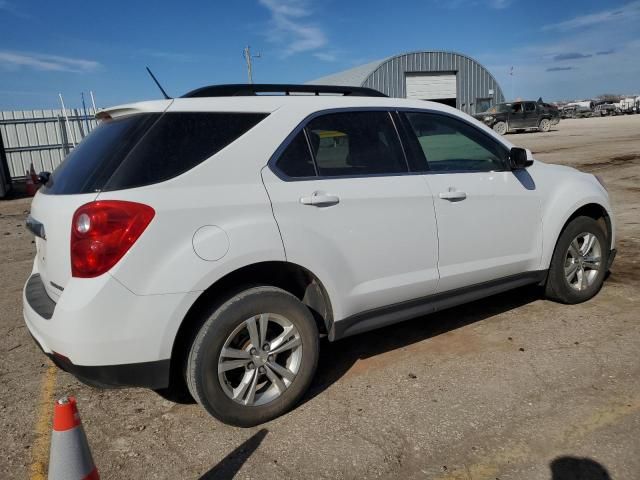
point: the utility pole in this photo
(512, 93)
(248, 58)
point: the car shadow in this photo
(525, 179)
(554, 128)
(233, 462)
(337, 358)
(574, 468)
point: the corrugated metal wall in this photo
(473, 80)
(42, 137)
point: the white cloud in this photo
(499, 4)
(583, 58)
(289, 28)
(454, 4)
(536, 74)
(325, 56)
(43, 62)
(625, 13)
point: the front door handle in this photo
(320, 199)
(453, 195)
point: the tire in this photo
(500, 128)
(228, 327)
(572, 290)
(545, 125)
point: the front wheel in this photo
(500, 128)
(254, 357)
(579, 262)
(545, 125)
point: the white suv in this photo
(213, 239)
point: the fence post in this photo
(5, 176)
(63, 135)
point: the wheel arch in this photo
(293, 278)
(592, 209)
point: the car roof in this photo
(270, 103)
(297, 106)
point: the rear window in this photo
(145, 149)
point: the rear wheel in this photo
(579, 262)
(254, 357)
(545, 125)
(500, 128)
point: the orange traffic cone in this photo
(70, 457)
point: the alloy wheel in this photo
(583, 261)
(260, 359)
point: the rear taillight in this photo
(102, 232)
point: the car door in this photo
(516, 116)
(488, 216)
(350, 211)
(530, 118)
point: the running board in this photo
(399, 312)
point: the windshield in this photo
(500, 108)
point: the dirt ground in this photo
(510, 387)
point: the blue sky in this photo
(559, 49)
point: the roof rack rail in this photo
(249, 89)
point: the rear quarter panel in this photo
(225, 191)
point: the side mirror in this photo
(518, 159)
(43, 177)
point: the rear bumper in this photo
(154, 375)
(102, 333)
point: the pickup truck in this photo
(521, 115)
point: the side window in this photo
(452, 145)
(296, 160)
(529, 107)
(177, 142)
(355, 143)
(516, 108)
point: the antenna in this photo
(246, 53)
(167, 97)
(86, 116)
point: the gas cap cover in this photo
(210, 243)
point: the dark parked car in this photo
(524, 115)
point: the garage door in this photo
(431, 86)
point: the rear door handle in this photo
(453, 195)
(320, 199)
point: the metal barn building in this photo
(446, 77)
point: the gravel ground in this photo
(510, 387)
